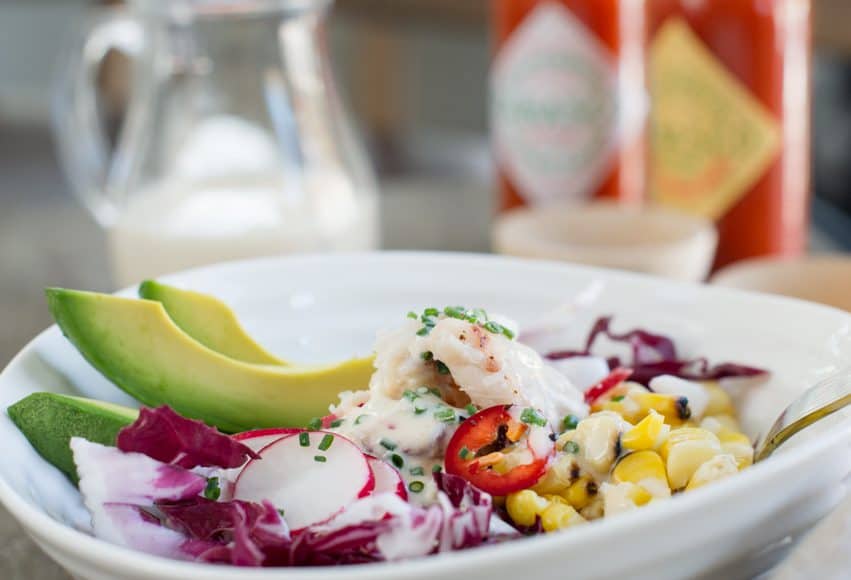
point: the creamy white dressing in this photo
(411, 409)
(410, 433)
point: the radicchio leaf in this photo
(654, 355)
(235, 532)
(117, 487)
(166, 436)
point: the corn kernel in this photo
(643, 468)
(739, 446)
(597, 437)
(559, 516)
(718, 467)
(648, 434)
(595, 509)
(623, 497)
(720, 402)
(727, 422)
(674, 409)
(581, 492)
(685, 451)
(560, 474)
(525, 506)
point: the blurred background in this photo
(414, 76)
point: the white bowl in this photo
(648, 239)
(824, 278)
(322, 308)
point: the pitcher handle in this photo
(84, 153)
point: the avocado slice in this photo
(49, 420)
(136, 345)
(209, 321)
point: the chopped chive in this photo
(571, 447)
(431, 312)
(426, 355)
(479, 314)
(455, 312)
(445, 414)
(493, 327)
(336, 423)
(570, 422)
(435, 391)
(412, 315)
(360, 419)
(441, 368)
(387, 444)
(416, 471)
(410, 395)
(423, 331)
(508, 333)
(436, 468)
(418, 411)
(531, 417)
(397, 460)
(464, 453)
(304, 439)
(212, 490)
(471, 408)
(320, 458)
(326, 442)
(618, 399)
(416, 486)
(315, 424)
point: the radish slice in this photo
(387, 478)
(306, 477)
(260, 438)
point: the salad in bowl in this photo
(461, 430)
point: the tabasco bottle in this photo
(730, 82)
(568, 100)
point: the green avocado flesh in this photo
(136, 345)
(209, 321)
(50, 420)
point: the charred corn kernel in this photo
(525, 506)
(739, 446)
(561, 473)
(559, 516)
(648, 434)
(675, 409)
(720, 402)
(640, 467)
(581, 492)
(597, 439)
(594, 510)
(685, 451)
(718, 467)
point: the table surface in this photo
(47, 239)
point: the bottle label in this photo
(554, 107)
(712, 139)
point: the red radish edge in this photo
(366, 490)
(387, 478)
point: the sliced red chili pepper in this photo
(490, 431)
(613, 379)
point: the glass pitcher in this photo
(234, 143)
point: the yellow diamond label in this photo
(712, 139)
